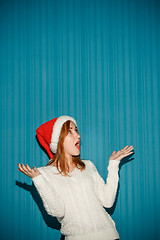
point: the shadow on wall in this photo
(51, 222)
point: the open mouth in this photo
(78, 145)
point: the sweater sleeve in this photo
(106, 192)
(52, 202)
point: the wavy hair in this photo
(59, 159)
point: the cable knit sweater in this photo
(77, 201)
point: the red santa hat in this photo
(48, 133)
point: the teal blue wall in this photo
(98, 61)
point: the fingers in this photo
(25, 169)
(127, 154)
(28, 171)
(28, 168)
(22, 168)
(127, 149)
(35, 169)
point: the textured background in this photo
(98, 61)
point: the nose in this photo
(78, 135)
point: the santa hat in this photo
(48, 133)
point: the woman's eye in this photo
(78, 131)
(69, 132)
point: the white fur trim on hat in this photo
(57, 130)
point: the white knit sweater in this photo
(78, 201)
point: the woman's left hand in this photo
(121, 153)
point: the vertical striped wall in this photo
(95, 60)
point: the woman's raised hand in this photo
(28, 171)
(121, 153)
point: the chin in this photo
(76, 155)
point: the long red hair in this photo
(59, 159)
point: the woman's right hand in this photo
(28, 171)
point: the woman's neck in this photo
(69, 160)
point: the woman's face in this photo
(72, 141)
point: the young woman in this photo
(72, 189)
